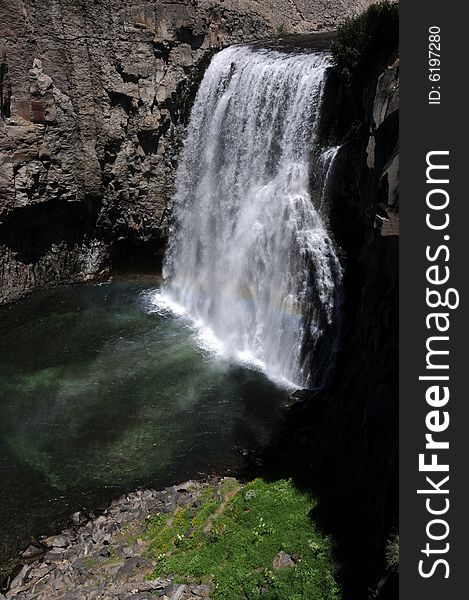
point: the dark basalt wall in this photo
(342, 443)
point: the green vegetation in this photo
(281, 30)
(231, 538)
(367, 41)
(392, 552)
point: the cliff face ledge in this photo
(93, 97)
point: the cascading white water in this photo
(326, 160)
(249, 257)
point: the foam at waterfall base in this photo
(160, 302)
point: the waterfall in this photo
(249, 258)
(326, 161)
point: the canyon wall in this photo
(361, 465)
(94, 96)
(342, 444)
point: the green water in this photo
(99, 395)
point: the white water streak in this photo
(327, 159)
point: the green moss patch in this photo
(230, 537)
(366, 42)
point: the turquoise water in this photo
(100, 394)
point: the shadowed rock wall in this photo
(343, 443)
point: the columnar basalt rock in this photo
(93, 98)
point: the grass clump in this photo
(281, 29)
(367, 40)
(231, 539)
(392, 552)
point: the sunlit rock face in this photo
(93, 101)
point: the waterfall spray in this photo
(249, 257)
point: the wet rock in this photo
(57, 541)
(32, 552)
(19, 580)
(79, 518)
(300, 396)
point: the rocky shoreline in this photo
(103, 556)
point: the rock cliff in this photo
(93, 100)
(363, 407)
(342, 444)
